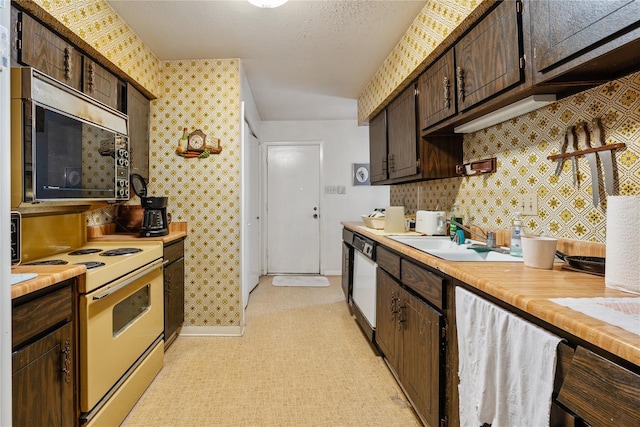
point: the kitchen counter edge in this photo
(107, 233)
(48, 275)
(530, 290)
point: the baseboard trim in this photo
(212, 331)
(332, 273)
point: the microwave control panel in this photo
(122, 168)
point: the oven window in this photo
(129, 309)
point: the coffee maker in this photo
(154, 218)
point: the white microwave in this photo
(66, 148)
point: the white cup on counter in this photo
(539, 251)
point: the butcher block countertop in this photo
(529, 289)
(107, 233)
(48, 275)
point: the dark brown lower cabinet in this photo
(408, 332)
(173, 290)
(416, 333)
(599, 391)
(44, 359)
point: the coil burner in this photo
(121, 251)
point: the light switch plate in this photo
(529, 204)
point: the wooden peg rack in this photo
(576, 153)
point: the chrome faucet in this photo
(488, 237)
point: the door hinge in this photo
(519, 6)
(523, 62)
(443, 332)
(443, 422)
(416, 91)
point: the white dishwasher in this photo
(364, 285)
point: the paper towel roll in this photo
(394, 219)
(623, 243)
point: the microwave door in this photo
(74, 160)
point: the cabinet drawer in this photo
(601, 392)
(425, 283)
(388, 261)
(347, 236)
(174, 251)
(41, 314)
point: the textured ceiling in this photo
(306, 60)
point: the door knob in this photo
(315, 215)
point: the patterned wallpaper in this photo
(521, 146)
(202, 94)
(432, 25)
(98, 24)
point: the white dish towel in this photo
(506, 366)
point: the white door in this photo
(250, 212)
(293, 209)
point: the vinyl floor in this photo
(302, 361)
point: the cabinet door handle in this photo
(92, 78)
(401, 320)
(460, 79)
(392, 163)
(68, 71)
(384, 166)
(66, 361)
(394, 308)
(447, 97)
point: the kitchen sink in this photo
(443, 247)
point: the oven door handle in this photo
(143, 272)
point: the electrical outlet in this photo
(529, 204)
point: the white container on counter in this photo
(394, 219)
(539, 251)
(431, 223)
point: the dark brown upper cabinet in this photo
(584, 41)
(399, 155)
(138, 110)
(436, 91)
(488, 58)
(101, 85)
(378, 148)
(402, 156)
(38, 47)
(35, 45)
